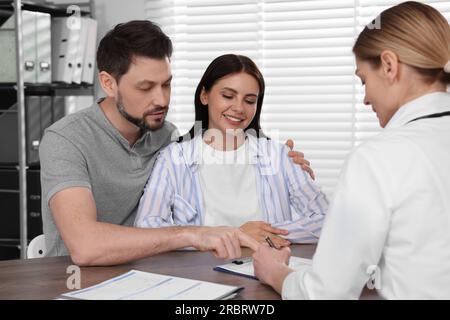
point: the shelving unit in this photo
(54, 10)
(19, 172)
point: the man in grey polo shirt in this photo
(95, 163)
(86, 150)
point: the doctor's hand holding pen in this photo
(271, 264)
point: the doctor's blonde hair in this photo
(416, 32)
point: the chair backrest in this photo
(37, 248)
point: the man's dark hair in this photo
(135, 38)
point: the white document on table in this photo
(244, 267)
(139, 285)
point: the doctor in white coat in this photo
(389, 220)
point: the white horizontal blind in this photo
(308, 67)
(304, 51)
(201, 30)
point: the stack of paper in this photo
(244, 267)
(138, 285)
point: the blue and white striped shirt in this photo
(289, 198)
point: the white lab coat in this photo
(390, 214)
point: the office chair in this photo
(37, 248)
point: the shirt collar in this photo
(141, 143)
(192, 149)
(435, 102)
(107, 125)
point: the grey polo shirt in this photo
(84, 150)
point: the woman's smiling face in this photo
(231, 102)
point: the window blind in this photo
(304, 51)
(308, 67)
(201, 30)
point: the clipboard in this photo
(244, 267)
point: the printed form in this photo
(139, 285)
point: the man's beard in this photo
(138, 122)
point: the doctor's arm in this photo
(351, 242)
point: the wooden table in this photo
(45, 278)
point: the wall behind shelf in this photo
(111, 12)
(108, 13)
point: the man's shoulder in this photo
(74, 123)
(158, 139)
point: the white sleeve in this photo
(353, 235)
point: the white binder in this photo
(90, 52)
(36, 45)
(81, 48)
(64, 49)
(29, 45)
(7, 49)
(43, 47)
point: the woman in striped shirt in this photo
(225, 171)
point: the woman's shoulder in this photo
(178, 152)
(170, 152)
(266, 142)
(272, 154)
(271, 148)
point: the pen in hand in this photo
(270, 242)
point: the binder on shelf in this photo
(29, 46)
(46, 118)
(85, 56)
(8, 48)
(9, 132)
(81, 48)
(58, 110)
(43, 48)
(90, 52)
(36, 46)
(40, 113)
(65, 38)
(33, 128)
